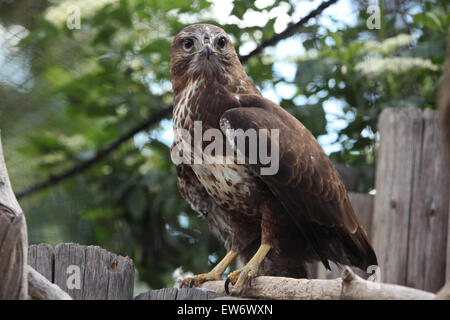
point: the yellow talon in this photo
(214, 274)
(243, 277)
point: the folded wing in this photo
(307, 184)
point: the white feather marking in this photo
(182, 106)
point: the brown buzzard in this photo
(278, 222)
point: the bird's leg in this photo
(243, 277)
(214, 274)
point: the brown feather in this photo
(302, 211)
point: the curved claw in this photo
(191, 283)
(227, 283)
(250, 278)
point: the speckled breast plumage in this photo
(229, 184)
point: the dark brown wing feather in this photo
(307, 184)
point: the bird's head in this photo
(201, 50)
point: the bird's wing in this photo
(306, 183)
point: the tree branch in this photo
(100, 155)
(104, 152)
(40, 288)
(13, 240)
(349, 287)
(289, 31)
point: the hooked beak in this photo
(207, 51)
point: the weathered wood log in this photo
(409, 227)
(398, 152)
(349, 287)
(103, 275)
(40, 288)
(179, 294)
(444, 293)
(41, 258)
(279, 288)
(428, 226)
(13, 241)
(356, 288)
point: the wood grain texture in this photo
(179, 294)
(348, 287)
(104, 275)
(13, 241)
(410, 221)
(40, 288)
(280, 288)
(398, 159)
(41, 259)
(429, 211)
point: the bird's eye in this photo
(188, 44)
(221, 42)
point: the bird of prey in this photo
(279, 221)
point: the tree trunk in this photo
(13, 241)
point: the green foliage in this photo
(92, 85)
(367, 76)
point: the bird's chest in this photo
(186, 107)
(230, 185)
(202, 102)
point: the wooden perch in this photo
(356, 288)
(13, 241)
(279, 288)
(350, 287)
(42, 289)
(444, 293)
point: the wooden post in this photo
(40, 288)
(428, 228)
(348, 287)
(179, 294)
(104, 275)
(41, 259)
(13, 241)
(410, 221)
